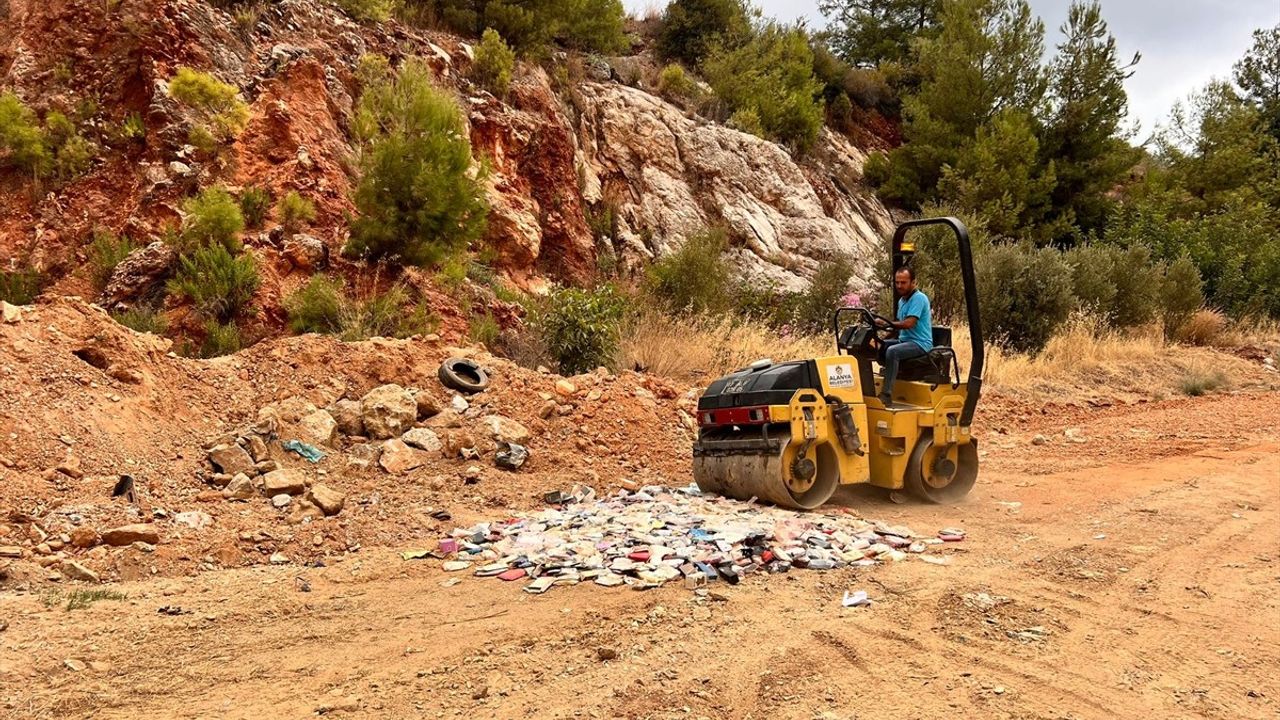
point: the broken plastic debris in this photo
(857, 598)
(310, 452)
(455, 565)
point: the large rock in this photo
(504, 429)
(398, 458)
(296, 419)
(141, 274)
(684, 174)
(423, 439)
(130, 534)
(346, 413)
(288, 480)
(388, 411)
(75, 571)
(327, 499)
(231, 459)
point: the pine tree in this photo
(1083, 136)
(870, 32)
(1258, 75)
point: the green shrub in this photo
(221, 339)
(1138, 280)
(694, 278)
(105, 253)
(1024, 295)
(484, 329)
(384, 315)
(1181, 294)
(143, 319)
(869, 89)
(603, 221)
(674, 83)
(876, 171)
(133, 127)
(217, 103)
(1093, 269)
(295, 211)
(22, 144)
(218, 283)
(772, 75)
(419, 199)
(74, 158)
(579, 327)
(254, 204)
(747, 120)
(812, 308)
(317, 307)
(494, 63)
(212, 218)
(20, 287)
(368, 10)
(692, 28)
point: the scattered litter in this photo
(1100, 536)
(451, 582)
(511, 456)
(415, 554)
(935, 559)
(653, 535)
(455, 565)
(858, 598)
(310, 452)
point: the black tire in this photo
(463, 375)
(937, 490)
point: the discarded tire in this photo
(463, 375)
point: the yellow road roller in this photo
(790, 433)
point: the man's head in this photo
(904, 281)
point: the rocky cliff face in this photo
(664, 172)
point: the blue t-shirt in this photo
(917, 306)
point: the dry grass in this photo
(1205, 328)
(699, 349)
(1083, 361)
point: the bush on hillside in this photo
(217, 103)
(254, 204)
(20, 287)
(316, 307)
(143, 319)
(695, 278)
(1138, 280)
(105, 253)
(22, 144)
(674, 83)
(212, 218)
(221, 339)
(530, 26)
(72, 153)
(1180, 295)
(579, 327)
(812, 309)
(219, 284)
(1024, 295)
(1093, 269)
(772, 76)
(295, 211)
(368, 10)
(692, 28)
(419, 200)
(495, 61)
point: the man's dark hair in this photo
(910, 271)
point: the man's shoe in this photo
(887, 401)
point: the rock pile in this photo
(654, 535)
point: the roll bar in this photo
(902, 257)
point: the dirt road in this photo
(1133, 573)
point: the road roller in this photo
(790, 433)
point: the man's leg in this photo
(893, 355)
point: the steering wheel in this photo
(879, 324)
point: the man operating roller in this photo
(914, 323)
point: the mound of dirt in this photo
(87, 405)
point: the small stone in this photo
(240, 488)
(547, 410)
(132, 376)
(472, 475)
(9, 313)
(504, 429)
(193, 519)
(606, 653)
(71, 467)
(398, 458)
(129, 534)
(564, 388)
(317, 428)
(282, 500)
(329, 501)
(84, 537)
(74, 665)
(75, 571)
(290, 481)
(10, 551)
(459, 404)
(428, 405)
(423, 439)
(511, 456)
(1039, 440)
(257, 449)
(279, 558)
(231, 459)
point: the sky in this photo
(1184, 43)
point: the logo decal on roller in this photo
(840, 376)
